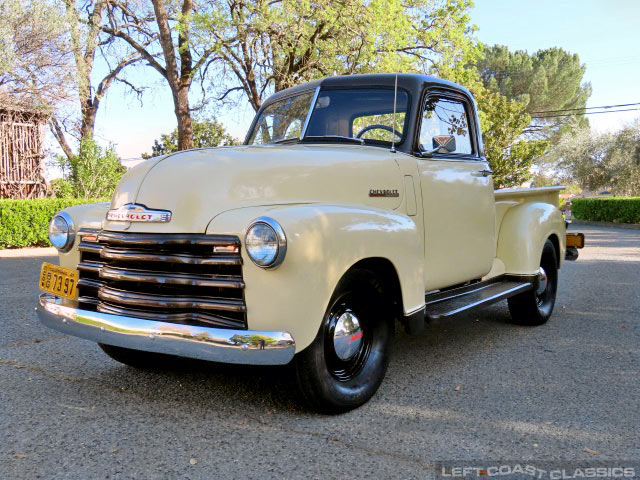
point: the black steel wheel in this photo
(345, 365)
(535, 306)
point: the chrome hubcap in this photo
(542, 282)
(347, 336)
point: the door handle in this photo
(482, 173)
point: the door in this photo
(457, 194)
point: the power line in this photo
(587, 113)
(588, 108)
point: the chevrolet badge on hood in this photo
(132, 212)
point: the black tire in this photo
(330, 384)
(535, 307)
(135, 358)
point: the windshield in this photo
(357, 113)
(282, 120)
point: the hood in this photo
(197, 185)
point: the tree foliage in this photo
(545, 81)
(34, 68)
(599, 161)
(261, 47)
(162, 34)
(205, 134)
(93, 173)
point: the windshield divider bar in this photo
(313, 105)
(393, 133)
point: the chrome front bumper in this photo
(214, 344)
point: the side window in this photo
(444, 116)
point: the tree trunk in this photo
(88, 122)
(183, 115)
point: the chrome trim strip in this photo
(90, 266)
(121, 297)
(128, 275)
(212, 344)
(89, 247)
(89, 283)
(309, 113)
(140, 256)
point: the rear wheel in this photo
(534, 307)
(135, 358)
(345, 364)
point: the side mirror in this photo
(441, 144)
(444, 144)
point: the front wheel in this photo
(534, 307)
(345, 364)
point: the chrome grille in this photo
(191, 279)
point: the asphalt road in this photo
(475, 387)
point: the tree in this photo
(48, 62)
(164, 33)
(548, 80)
(599, 161)
(205, 134)
(93, 173)
(260, 47)
(86, 41)
(34, 69)
(509, 154)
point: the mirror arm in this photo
(429, 153)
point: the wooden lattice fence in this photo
(21, 153)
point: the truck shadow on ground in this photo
(274, 388)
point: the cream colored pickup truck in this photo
(354, 202)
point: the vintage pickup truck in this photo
(354, 202)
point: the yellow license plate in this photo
(58, 280)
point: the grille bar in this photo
(114, 295)
(146, 276)
(142, 256)
(184, 318)
(190, 279)
(161, 239)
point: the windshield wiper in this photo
(339, 138)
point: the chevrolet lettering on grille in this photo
(132, 212)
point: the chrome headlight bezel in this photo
(281, 238)
(70, 232)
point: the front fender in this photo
(522, 234)
(323, 242)
(84, 216)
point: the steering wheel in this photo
(381, 127)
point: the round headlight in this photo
(266, 242)
(61, 234)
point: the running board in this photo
(462, 299)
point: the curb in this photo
(28, 252)
(629, 226)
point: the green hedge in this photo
(25, 223)
(616, 209)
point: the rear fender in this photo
(523, 232)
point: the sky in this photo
(604, 33)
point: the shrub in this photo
(616, 209)
(25, 223)
(93, 173)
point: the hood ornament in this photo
(133, 212)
